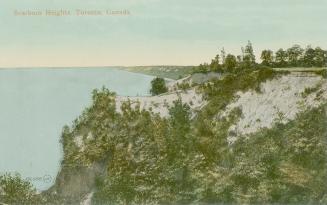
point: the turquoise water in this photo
(36, 103)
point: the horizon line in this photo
(107, 66)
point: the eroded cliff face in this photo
(278, 100)
(75, 184)
(161, 103)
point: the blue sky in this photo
(183, 32)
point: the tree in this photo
(249, 57)
(320, 58)
(180, 148)
(309, 56)
(158, 86)
(294, 55)
(14, 190)
(202, 68)
(267, 57)
(180, 115)
(223, 55)
(281, 58)
(215, 66)
(230, 62)
(216, 59)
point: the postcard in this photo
(159, 102)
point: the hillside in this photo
(135, 148)
(257, 136)
(279, 100)
(160, 104)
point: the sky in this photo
(157, 32)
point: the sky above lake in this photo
(155, 32)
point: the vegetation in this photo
(308, 91)
(296, 57)
(323, 73)
(14, 190)
(291, 167)
(185, 158)
(183, 86)
(230, 62)
(267, 57)
(293, 57)
(180, 160)
(158, 86)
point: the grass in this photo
(301, 69)
(323, 73)
(309, 90)
(315, 70)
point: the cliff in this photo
(255, 136)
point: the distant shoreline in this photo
(110, 66)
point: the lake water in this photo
(36, 103)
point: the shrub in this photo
(158, 86)
(14, 190)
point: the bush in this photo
(158, 86)
(323, 73)
(14, 190)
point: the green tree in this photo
(249, 57)
(267, 57)
(158, 86)
(180, 118)
(180, 148)
(320, 58)
(14, 190)
(203, 68)
(294, 55)
(281, 58)
(309, 56)
(215, 66)
(230, 62)
(137, 142)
